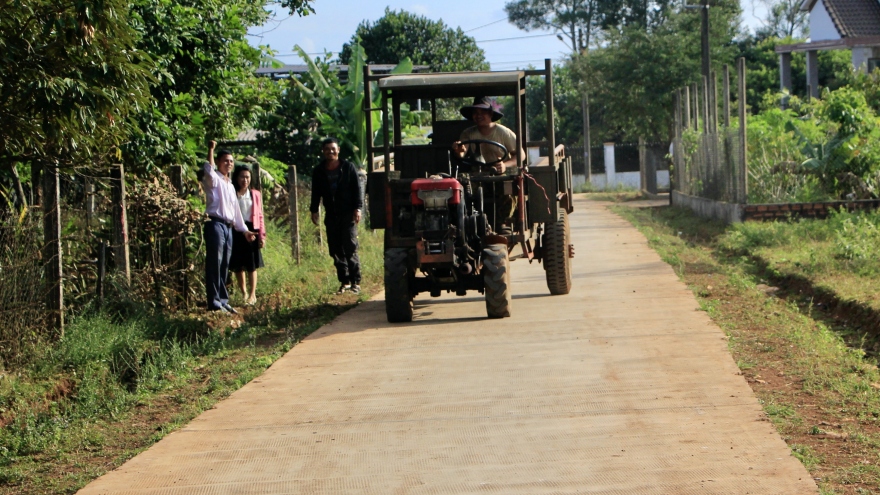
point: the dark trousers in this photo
(218, 249)
(342, 239)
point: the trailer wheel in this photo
(398, 298)
(557, 264)
(496, 280)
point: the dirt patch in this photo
(790, 342)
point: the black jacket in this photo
(348, 197)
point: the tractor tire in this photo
(496, 280)
(557, 264)
(398, 298)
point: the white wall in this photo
(631, 180)
(821, 25)
(861, 54)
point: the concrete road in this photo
(622, 387)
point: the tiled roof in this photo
(854, 18)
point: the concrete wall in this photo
(861, 54)
(707, 208)
(631, 180)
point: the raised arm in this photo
(211, 146)
(206, 176)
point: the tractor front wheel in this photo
(398, 298)
(496, 280)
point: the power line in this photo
(484, 25)
(517, 38)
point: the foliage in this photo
(629, 79)
(762, 65)
(577, 20)
(288, 130)
(784, 19)
(318, 105)
(275, 168)
(566, 104)
(825, 149)
(869, 85)
(113, 385)
(857, 237)
(71, 77)
(206, 85)
(582, 21)
(401, 35)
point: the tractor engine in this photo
(438, 211)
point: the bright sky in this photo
(506, 47)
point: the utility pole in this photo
(704, 34)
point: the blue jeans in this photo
(218, 246)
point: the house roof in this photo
(852, 18)
(286, 70)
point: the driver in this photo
(484, 115)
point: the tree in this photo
(784, 19)
(71, 77)
(762, 64)
(316, 105)
(206, 77)
(581, 20)
(577, 20)
(566, 102)
(400, 35)
(632, 78)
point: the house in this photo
(835, 25)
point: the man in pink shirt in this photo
(223, 215)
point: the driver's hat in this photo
(485, 103)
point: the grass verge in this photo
(114, 385)
(816, 384)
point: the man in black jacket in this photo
(336, 183)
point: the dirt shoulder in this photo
(803, 358)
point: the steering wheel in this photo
(471, 162)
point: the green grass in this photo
(804, 366)
(113, 385)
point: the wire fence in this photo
(709, 151)
(158, 261)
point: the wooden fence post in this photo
(120, 221)
(704, 107)
(726, 95)
(687, 107)
(743, 188)
(587, 150)
(256, 180)
(179, 244)
(51, 203)
(102, 271)
(90, 202)
(293, 208)
(643, 172)
(713, 103)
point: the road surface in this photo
(622, 387)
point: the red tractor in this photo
(442, 225)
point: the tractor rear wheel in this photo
(398, 298)
(557, 264)
(496, 280)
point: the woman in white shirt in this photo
(246, 256)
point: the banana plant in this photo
(340, 109)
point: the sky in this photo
(506, 47)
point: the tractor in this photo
(441, 224)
